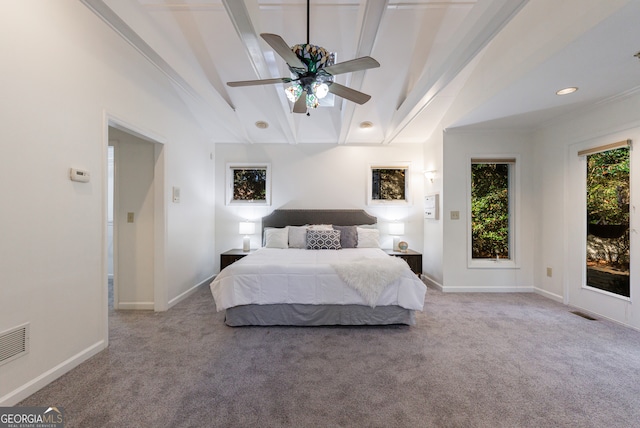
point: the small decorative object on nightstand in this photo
(232, 256)
(413, 259)
(403, 246)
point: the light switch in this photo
(455, 215)
(129, 217)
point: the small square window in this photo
(248, 184)
(388, 185)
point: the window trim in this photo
(231, 166)
(514, 213)
(407, 184)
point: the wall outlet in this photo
(549, 272)
(129, 217)
(455, 215)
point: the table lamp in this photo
(246, 228)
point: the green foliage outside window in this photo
(388, 184)
(608, 245)
(608, 187)
(250, 184)
(490, 210)
(608, 209)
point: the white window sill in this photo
(493, 264)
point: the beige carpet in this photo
(472, 360)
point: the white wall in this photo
(433, 228)
(459, 147)
(63, 70)
(319, 176)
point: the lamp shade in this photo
(247, 228)
(396, 228)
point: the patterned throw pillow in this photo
(323, 240)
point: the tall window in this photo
(492, 209)
(607, 232)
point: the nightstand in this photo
(232, 256)
(413, 259)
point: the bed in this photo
(286, 283)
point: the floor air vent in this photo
(583, 315)
(14, 343)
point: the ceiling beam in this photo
(482, 24)
(241, 19)
(372, 13)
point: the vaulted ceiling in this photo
(462, 63)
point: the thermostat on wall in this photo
(79, 175)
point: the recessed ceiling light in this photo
(366, 125)
(261, 124)
(566, 91)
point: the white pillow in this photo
(297, 236)
(368, 238)
(320, 227)
(276, 237)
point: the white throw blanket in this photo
(369, 277)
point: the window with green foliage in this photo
(248, 184)
(608, 249)
(389, 184)
(491, 208)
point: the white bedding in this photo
(273, 276)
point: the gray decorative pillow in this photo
(323, 240)
(348, 236)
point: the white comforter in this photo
(271, 276)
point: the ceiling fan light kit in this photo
(312, 70)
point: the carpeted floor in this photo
(472, 360)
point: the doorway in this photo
(135, 221)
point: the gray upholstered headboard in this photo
(282, 218)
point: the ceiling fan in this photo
(312, 68)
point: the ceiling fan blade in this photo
(280, 46)
(301, 103)
(357, 64)
(348, 93)
(259, 82)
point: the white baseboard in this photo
(136, 306)
(430, 281)
(19, 394)
(558, 298)
(189, 292)
(487, 289)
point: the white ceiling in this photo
(464, 63)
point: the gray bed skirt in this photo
(313, 315)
